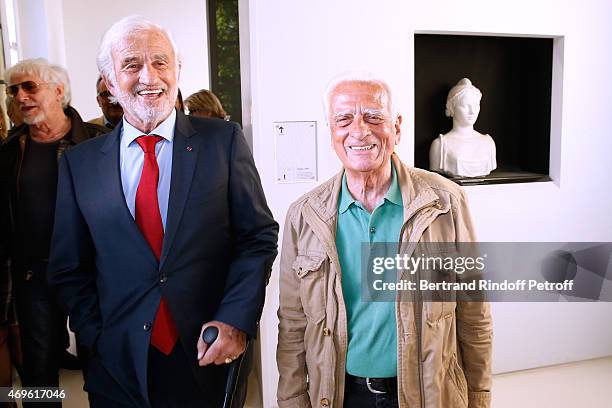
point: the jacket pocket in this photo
(439, 302)
(311, 272)
(436, 311)
(432, 311)
(455, 392)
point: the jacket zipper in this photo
(418, 317)
(418, 307)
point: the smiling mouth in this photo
(25, 109)
(148, 92)
(362, 148)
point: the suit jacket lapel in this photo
(109, 177)
(184, 158)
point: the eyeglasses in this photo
(30, 87)
(105, 94)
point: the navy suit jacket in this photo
(219, 245)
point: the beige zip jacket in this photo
(443, 348)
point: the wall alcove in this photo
(514, 75)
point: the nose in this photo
(148, 74)
(359, 128)
(21, 95)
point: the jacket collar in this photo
(184, 158)
(416, 192)
(182, 127)
(78, 132)
(164, 129)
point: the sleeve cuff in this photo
(235, 321)
(481, 399)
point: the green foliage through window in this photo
(225, 55)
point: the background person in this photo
(28, 186)
(13, 112)
(179, 105)
(112, 112)
(4, 126)
(10, 345)
(205, 104)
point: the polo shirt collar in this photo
(393, 195)
(346, 198)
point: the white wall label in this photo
(296, 151)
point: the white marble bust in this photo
(463, 151)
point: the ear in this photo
(398, 129)
(59, 91)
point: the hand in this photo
(230, 344)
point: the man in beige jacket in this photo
(336, 349)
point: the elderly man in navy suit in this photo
(164, 231)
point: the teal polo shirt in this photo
(372, 333)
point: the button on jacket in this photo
(443, 348)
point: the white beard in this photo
(145, 113)
(35, 120)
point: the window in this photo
(9, 34)
(224, 46)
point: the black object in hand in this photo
(209, 335)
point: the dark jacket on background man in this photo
(24, 253)
(11, 155)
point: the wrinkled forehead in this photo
(358, 95)
(143, 42)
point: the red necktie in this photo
(148, 219)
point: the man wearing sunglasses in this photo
(112, 112)
(28, 183)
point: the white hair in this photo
(358, 76)
(119, 31)
(44, 70)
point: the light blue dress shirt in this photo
(131, 159)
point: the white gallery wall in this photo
(39, 29)
(291, 49)
(68, 32)
(296, 47)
